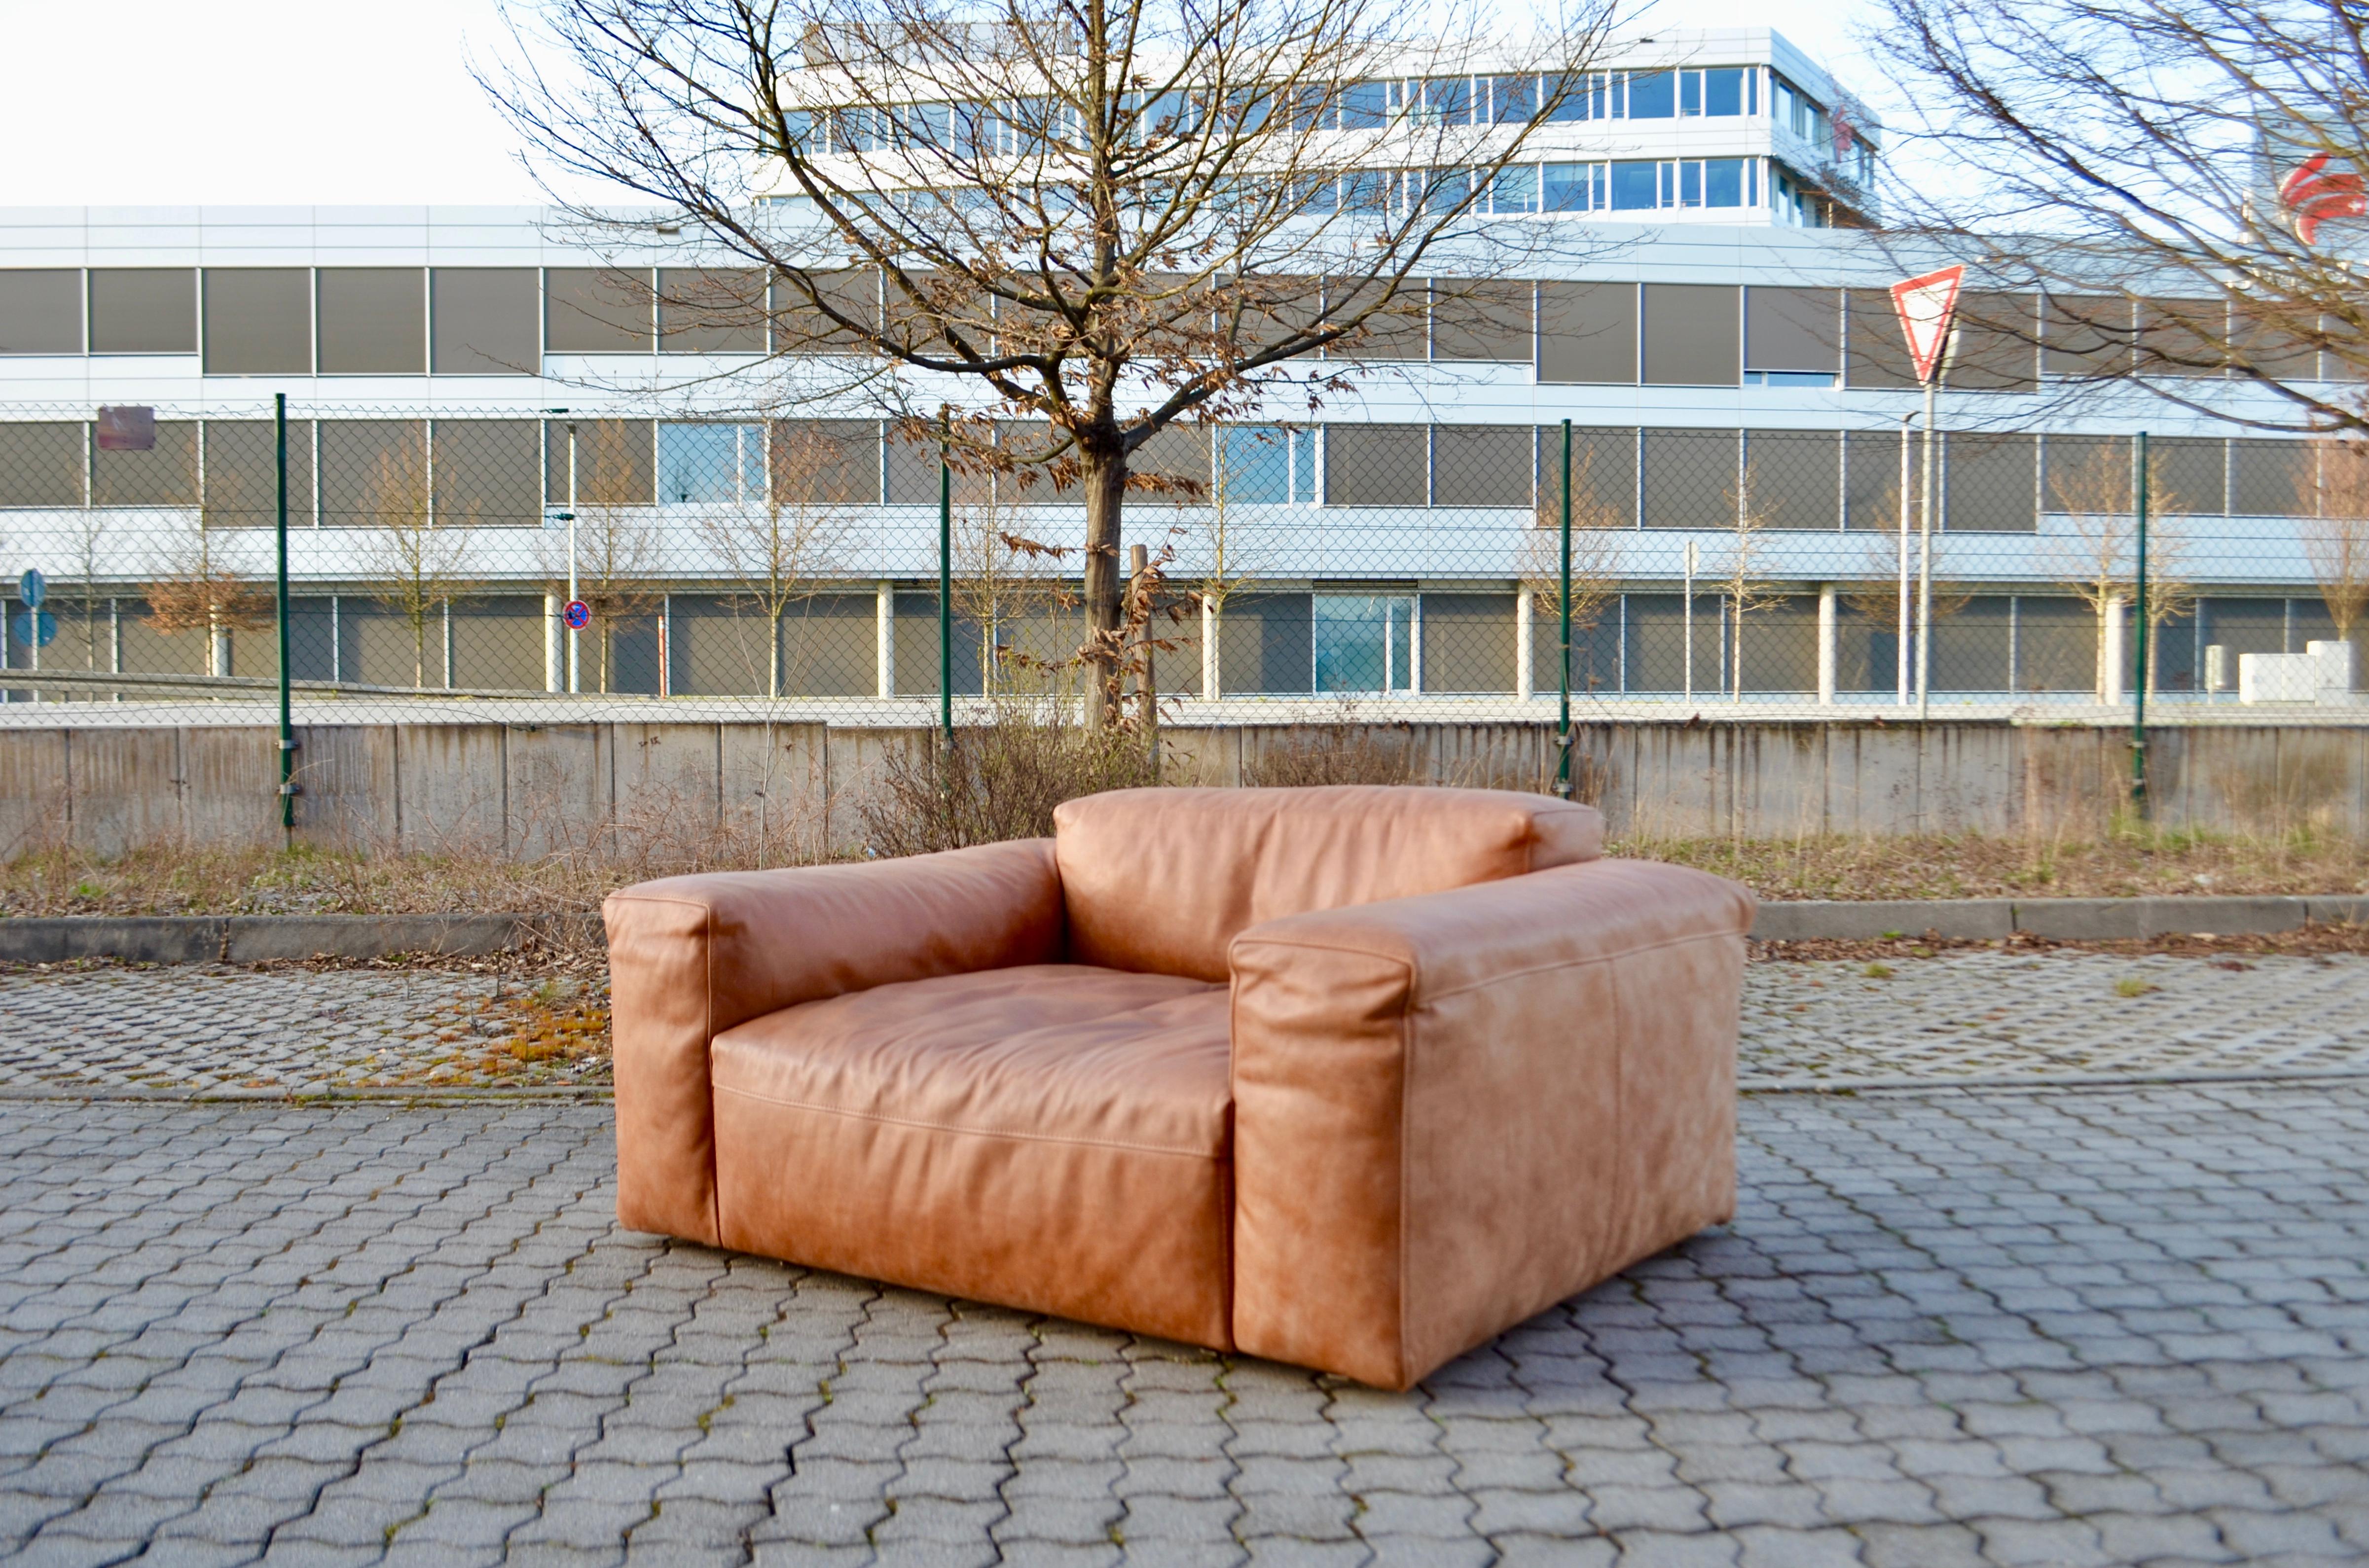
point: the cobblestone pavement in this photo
(1946, 1327)
(1980, 1016)
(2054, 1013)
(207, 1028)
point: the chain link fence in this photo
(1414, 571)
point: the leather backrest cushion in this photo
(1162, 880)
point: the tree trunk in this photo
(1105, 486)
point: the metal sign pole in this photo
(1563, 736)
(1686, 608)
(280, 528)
(2139, 657)
(1907, 614)
(573, 686)
(1925, 546)
(945, 581)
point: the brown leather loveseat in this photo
(1353, 1077)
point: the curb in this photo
(259, 938)
(2059, 919)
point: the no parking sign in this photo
(578, 614)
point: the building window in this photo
(1575, 188)
(1364, 643)
(1515, 189)
(1652, 94)
(1513, 100)
(1729, 91)
(1795, 110)
(1636, 186)
(1594, 95)
(1667, 183)
(711, 464)
(1266, 465)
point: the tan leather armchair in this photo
(1352, 1077)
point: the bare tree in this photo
(2097, 556)
(1741, 574)
(780, 547)
(197, 592)
(2334, 504)
(2183, 177)
(1006, 584)
(415, 559)
(1597, 528)
(1104, 220)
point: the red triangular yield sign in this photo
(1926, 305)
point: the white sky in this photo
(171, 102)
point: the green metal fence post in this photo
(2139, 642)
(1563, 734)
(945, 581)
(280, 528)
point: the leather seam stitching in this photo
(972, 1132)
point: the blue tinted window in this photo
(1254, 464)
(1365, 105)
(1723, 91)
(1367, 192)
(1303, 465)
(1317, 198)
(1514, 99)
(1723, 183)
(1566, 187)
(1690, 92)
(1652, 94)
(1450, 99)
(1577, 97)
(1515, 189)
(1633, 186)
(1690, 183)
(1446, 190)
(710, 464)
(1363, 644)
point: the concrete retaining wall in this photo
(651, 789)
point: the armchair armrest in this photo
(690, 957)
(1454, 1110)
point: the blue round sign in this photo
(578, 614)
(32, 588)
(25, 625)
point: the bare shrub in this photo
(1334, 755)
(999, 781)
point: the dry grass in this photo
(171, 879)
(2122, 864)
(1006, 793)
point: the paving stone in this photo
(2047, 1264)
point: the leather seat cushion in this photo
(1052, 1137)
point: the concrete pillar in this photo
(1211, 682)
(2114, 653)
(1826, 644)
(1525, 644)
(884, 622)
